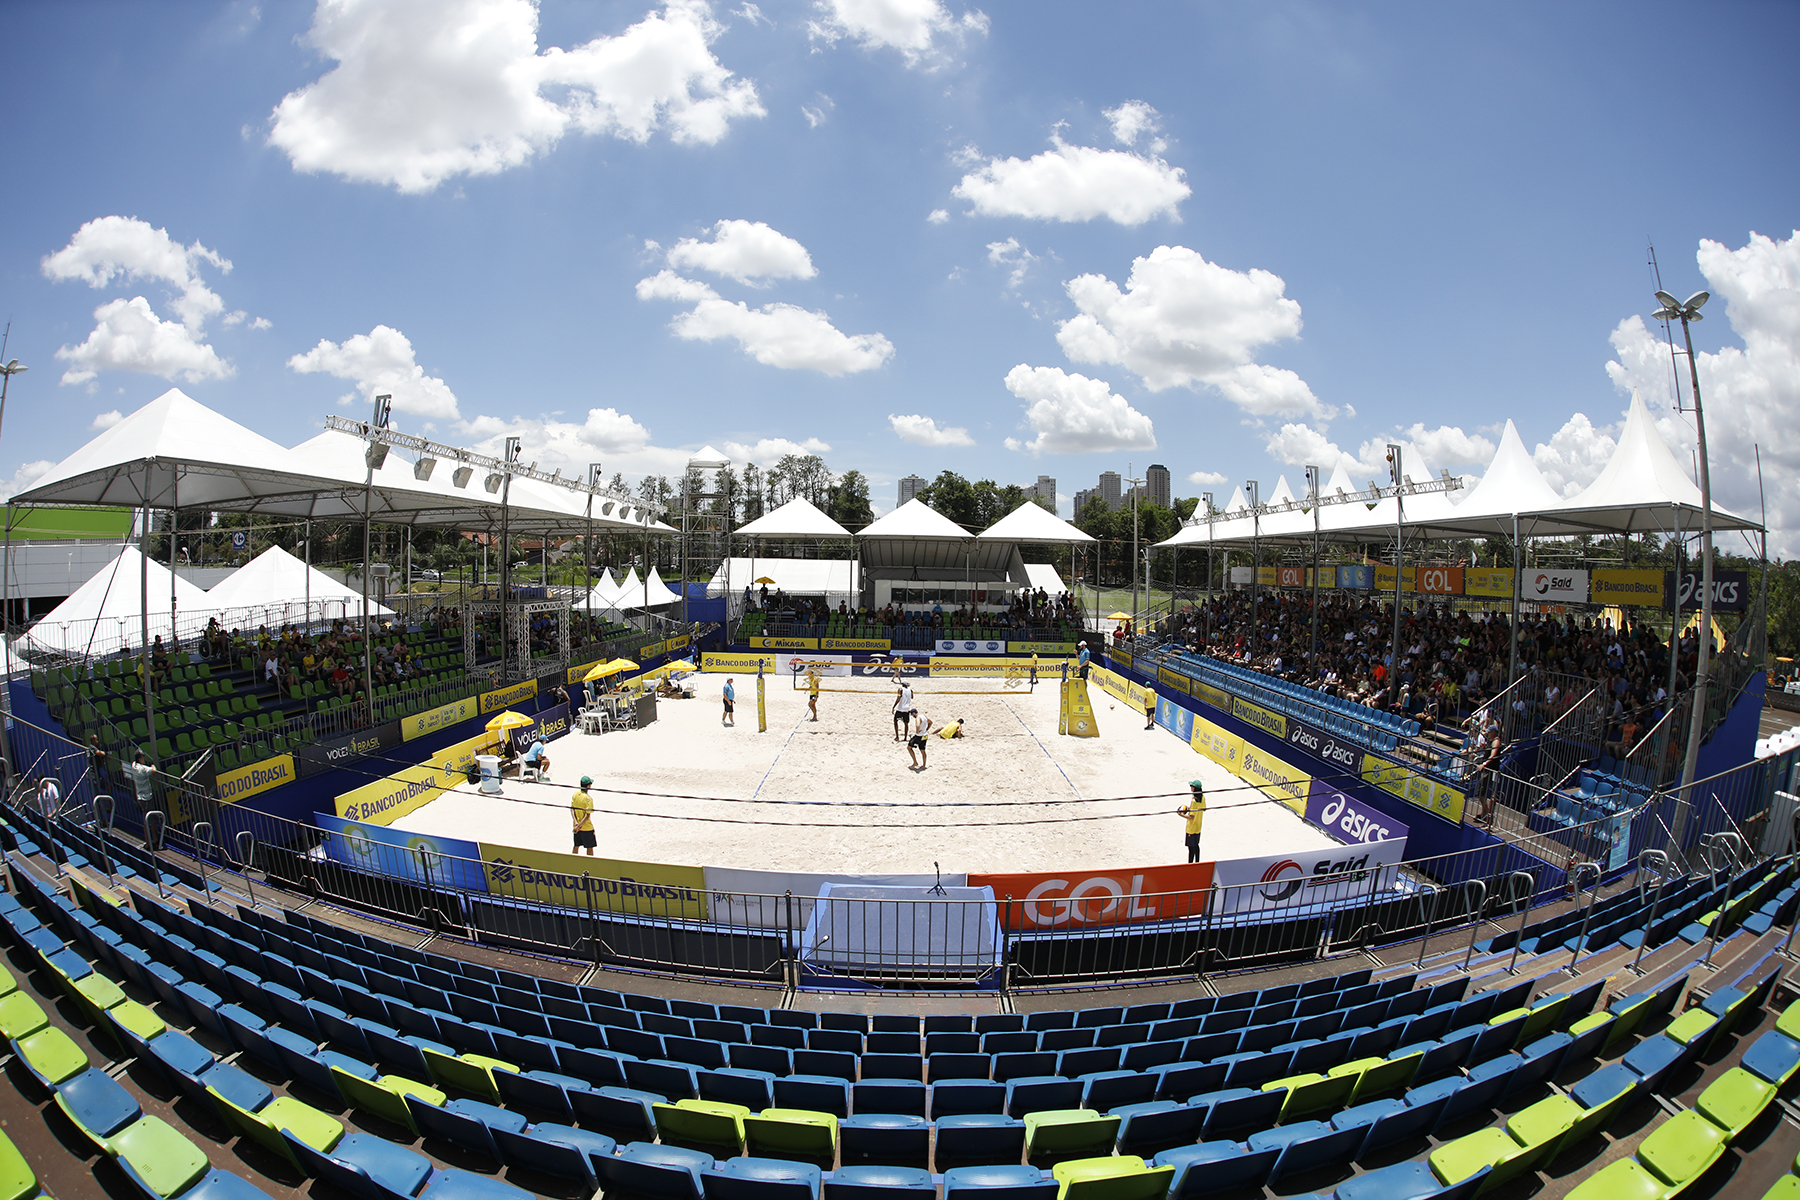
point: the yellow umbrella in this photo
(602, 670)
(1119, 616)
(668, 669)
(508, 720)
(764, 579)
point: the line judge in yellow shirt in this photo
(581, 808)
(1195, 812)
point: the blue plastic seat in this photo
(1010, 1182)
(754, 1090)
(1038, 1093)
(762, 1179)
(624, 1111)
(882, 1095)
(813, 1093)
(657, 1172)
(880, 1183)
(979, 1138)
(954, 1097)
(1412, 1180)
(893, 1139)
(1107, 1090)
(1242, 1109)
(1216, 1166)
(1306, 1146)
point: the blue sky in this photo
(910, 235)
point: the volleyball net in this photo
(927, 678)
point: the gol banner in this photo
(1077, 717)
(1048, 900)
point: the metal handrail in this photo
(1512, 880)
(1587, 913)
(1479, 908)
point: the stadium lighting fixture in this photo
(377, 452)
(460, 477)
(423, 468)
(493, 481)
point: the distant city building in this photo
(1043, 489)
(1109, 490)
(1082, 497)
(1156, 483)
(909, 487)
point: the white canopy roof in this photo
(1032, 522)
(1512, 486)
(795, 576)
(173, 452)
(798, 518)
(1043, 575)
(916, 520)
(1643, 484)
(276, 580)
(104, 615)
(653, 594)
(604, 593)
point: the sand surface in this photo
(839, 795)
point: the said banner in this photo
(578, 881)
(1077, 716)
(1048, 900)
(1299, 881)
(506, 697)
(1565, 585)
(437, 719)
(256, 777)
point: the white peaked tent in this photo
(105, 614)
(604, 594)
(1032, 522)
(654, 593)
(280, 585)
(915, 520)
(630, 591)
(1512, 487)
(799, 518)
(1644, 486)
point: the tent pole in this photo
(144, 630)
(174, 522)
(1675, 616)
(1512, 669)
(306, 549)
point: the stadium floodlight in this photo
(423, 468)
(460, 477)
(493, 481)
(377, 452)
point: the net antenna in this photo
(937, 889)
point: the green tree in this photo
(753, 492)
(850, 501)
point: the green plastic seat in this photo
(1681, 1149)
(1789, 1021)
(1592, 1021)
(1595, 1118)
(1311, 1093)
(8, 985)
(1622, 1180)
(52, 1055)
(385, 1097)
(20, 1015)
(1545, 1016)
(469, 1072)
(17, 1182)
(319, 1130)
(137, 1020)
(1626, 1022)
(1733, 1100)
(1493, 1147)
(709, 1125)
(159, 1155)
(1118, 1177)
(1786, 1188)
(1387, 1077)
(1690, 1025)
(792, 1133)
(1062, 1133)
(96, 993)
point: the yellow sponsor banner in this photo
(576, 673)
(577, 881)
(1487, 581)
(1077, 716)
(875, 645)
(1135, 694)
(1062, 648)
(387, 799)
(737, 664)
(1324, 577)
(256, 777)
(1123, 658)
(506, 697)
(976, 668)
(1170, 679)
(1226, 749)
(1255, 714)
(1268, 576)
(1278, 780)
(1219, 698)
(1384, 579)
(784, 643)
(1615, 585)
(1414, 787)
(436, 719)
(458, 757)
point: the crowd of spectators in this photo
(1451, 663)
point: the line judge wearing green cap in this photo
(1195, 812)
(581, 807)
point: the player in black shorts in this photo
(915, 745)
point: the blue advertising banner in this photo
(550, 724)
(1175, 718)
(1341, 753)
(1349, 820)
(1356, 577)
(378, 848)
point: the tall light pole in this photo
(1312, 492)
(1206, 498)
(6, 373)
(1687, 311)
(1396, 473)
(1252, 492)
(1135, 485)
(373, 457)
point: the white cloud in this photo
(770, 450)
(923, 431)
(1072, 414)
(127, 336)
(1298, 444)
(938, 216)
(816, 112)
(381, 361)
(1183, 321)
(1016, 258)
(25, 477)
(127, 249)
(746, 251)
(1076, 183)
(1205, 478)
(1574, 456)
(262, 323)
(752, 14)
(1131, 120)
(923, 31)
(106, 420)
(776, 335)
(426, 90)
(1447, 446)
(570, 445)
